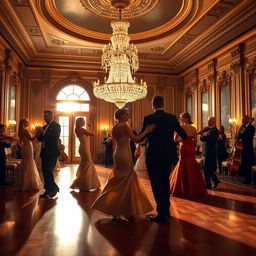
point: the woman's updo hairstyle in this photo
(187, 116)
(120, 112)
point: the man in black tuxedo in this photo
(246, 134)
(49, 136)
(161, 155)
(209, 138)
(108, 142)
(133, 146)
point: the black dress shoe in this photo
(215, 185)
(159, 219)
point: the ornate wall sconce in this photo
(11, 127)
(104, 128)
(233, 126)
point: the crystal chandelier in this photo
(120, 59)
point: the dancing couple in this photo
(123, 195)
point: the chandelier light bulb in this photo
(120, 60)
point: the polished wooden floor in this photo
(221, 223)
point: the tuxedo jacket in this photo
(247, 137)
(210, 142)
(160, 142)
(49, 139)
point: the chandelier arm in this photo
(120, 60)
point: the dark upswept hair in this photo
(120, 112)
(48, 112)
(158, 101)
(188, 116)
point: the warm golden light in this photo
(12, 122)
(72, 107)
(34, 125)
(120, 59)
(104, 127)
(232, 121)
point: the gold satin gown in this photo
(123, 194)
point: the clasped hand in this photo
(39, 129)
(150, 127)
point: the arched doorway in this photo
(72, 102)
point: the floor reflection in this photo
(220, 223)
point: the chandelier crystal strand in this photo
(120, 59)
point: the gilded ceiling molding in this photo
(202, 41)
(105, 9)
(8, 60)
(235, 67)
(224, 79)
(204, 86)
(189, 91)
(54, 17)
(251, 67)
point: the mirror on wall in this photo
(189, 104)
(225, 105)
(253, 95)
(205, 108)
(12, 110)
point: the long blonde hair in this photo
(77, 125)
(21, 128)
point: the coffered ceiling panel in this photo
(76, 12)
(170, 35)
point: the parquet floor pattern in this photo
(221, 223)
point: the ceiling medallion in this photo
(107, 9)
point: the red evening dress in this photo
(186, 179)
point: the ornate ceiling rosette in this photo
(134, 9)
(157, 21)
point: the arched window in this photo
(73, 98)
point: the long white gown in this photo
(86, 173)
(123, 194)
(28, 177)
(141, 161)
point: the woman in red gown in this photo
(186, 179)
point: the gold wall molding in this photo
(204, 86)
(251, 66)
(224, 78)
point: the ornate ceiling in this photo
(171, 35)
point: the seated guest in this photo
(221, 148)
(246, 134)
(3, 144)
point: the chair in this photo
(254, 174)
(12, 167)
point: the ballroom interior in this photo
(199, 55)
